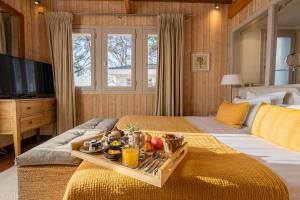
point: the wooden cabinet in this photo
(20, 115)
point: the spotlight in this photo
(37, 2)
(217, 6)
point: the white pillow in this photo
(296, 99)
(294, 107)
(276, 97)
(254, 106)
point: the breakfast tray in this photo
(158, 180)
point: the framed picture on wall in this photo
(200, 61)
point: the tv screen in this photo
(22, 78)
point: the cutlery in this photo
(156, 169)
(158, 164)
(144, 163)
(149, 160)
(150, 166)
(155, 156)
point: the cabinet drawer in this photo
(34, 107)
(28, 123)
(38, 120)
(49, 105)
(30, 107)
(49, 117)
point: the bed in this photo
(50, 181)
(273, 172)
(283, 162)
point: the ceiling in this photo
(187, 1)
(289, 16)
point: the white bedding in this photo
(283, 162)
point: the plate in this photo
(100, 149)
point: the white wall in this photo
(250, 53)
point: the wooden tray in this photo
(164, 172)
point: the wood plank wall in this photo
(206, 31)
(249, 10)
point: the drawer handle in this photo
(30, 122)
(28, 108)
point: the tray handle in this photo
(180, 153)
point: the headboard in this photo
(292, 97)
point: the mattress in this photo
(283, 162)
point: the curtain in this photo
(59, 28)
(169, 87)
(2, 36)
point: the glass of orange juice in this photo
(130, 157)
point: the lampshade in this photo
(293, 60)
(232, 79)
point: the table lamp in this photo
(232, 80)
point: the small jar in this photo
(138, 139)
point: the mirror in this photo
(11, 31)
(251, 44)
(287, 43)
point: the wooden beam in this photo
(236, 7)
(127, 6)
(20, 16)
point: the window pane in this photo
(119, 60)
(281, 68)
(152, 59)
(82, 60)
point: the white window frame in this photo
(93, 63)
(105, 33)
(147, 31)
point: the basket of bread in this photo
(172, 142)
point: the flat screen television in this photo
(23, 78)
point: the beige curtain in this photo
(2, 36)
(59, 27)
(169, 87)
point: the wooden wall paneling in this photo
(250, 9)
(187, 78)
(14, 10)
(236, 7)
(204, 32)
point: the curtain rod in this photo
(120, 14)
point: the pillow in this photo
(276, 97)
(233, 115)
(294, 107)
(254, 106)
(278, 125)
(296, 99)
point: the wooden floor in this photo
(7, 161)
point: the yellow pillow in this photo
(278, 125)
(233, 115)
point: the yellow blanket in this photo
(210, 170)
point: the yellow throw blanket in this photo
(211, 170)
(158, 123)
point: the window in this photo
(150, 43)
(152, 54)
(119, 69)
(82, 59)
(284, 48)
(115, 59)
(119, 60)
